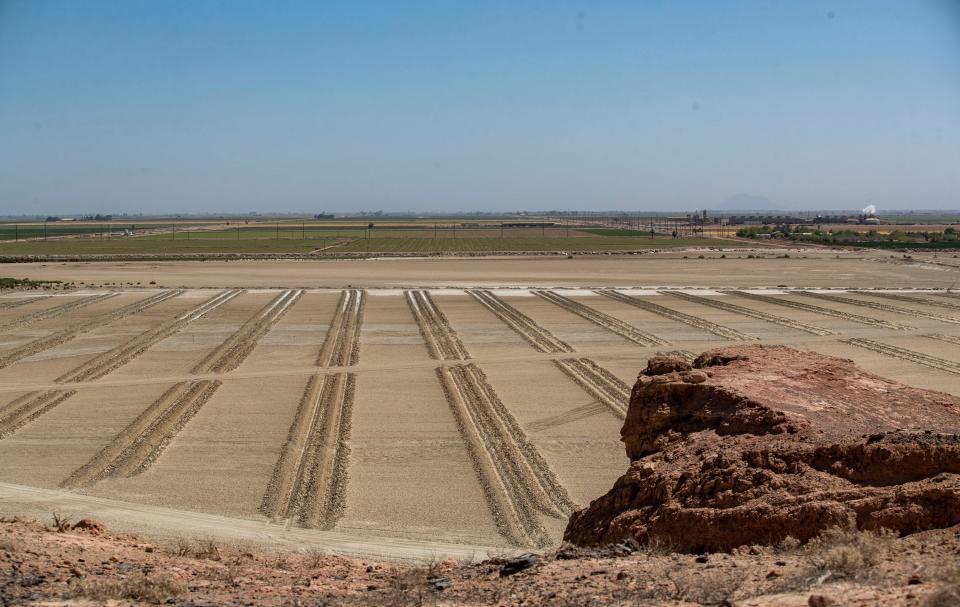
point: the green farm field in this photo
(259, 241)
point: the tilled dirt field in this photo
(477, 414)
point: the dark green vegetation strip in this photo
(24, 283)
(619, 232)
(333, 246)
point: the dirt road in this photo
(169, 523)
(809, 268)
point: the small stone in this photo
(693, 377)
(703, 558)
(819, 600)
(914, 579)
(516, 565)
(439, 582)
(90, 526)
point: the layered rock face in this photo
(752, 444)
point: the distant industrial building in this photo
(869, 219)
(528, 224)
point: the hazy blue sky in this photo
(195, 105)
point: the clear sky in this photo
(180, 106)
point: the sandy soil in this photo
(49, 364)
(579, 439)
(405, 450)
(180, 352)
(410, 474)
(221, 461)
(46, 451)
(295, 340)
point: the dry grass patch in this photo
(849, 552)
(949, 594)
(713, 587)
(140, 588)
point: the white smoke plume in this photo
(869, 210)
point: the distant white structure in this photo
(868, 215)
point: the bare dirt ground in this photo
(323, 412)
(804, 267)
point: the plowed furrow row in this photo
(341, 347)
(799, 305)
(610, 323)
(29, 407)
(751, 313)
(599, 383)
(308, 484)
(879, 306)
(914, 300)
(904, 354)
(60, 337)
(687, 319)
(442, 341)
(16, 303)
(54, 312)
(108, 362)
(570, 416)
(516, 480)
(507, 425)
(139, 445)
(228, 355)
(538, 337)
(950, 339)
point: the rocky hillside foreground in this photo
(761, 445)
(41, 565)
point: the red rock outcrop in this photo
(751, 444)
